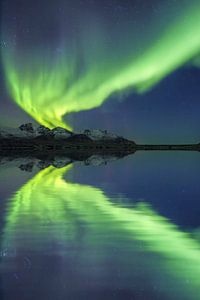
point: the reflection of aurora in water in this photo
(50, 211)
(100, 56)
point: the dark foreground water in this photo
(127, 230)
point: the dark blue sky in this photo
(169, 112)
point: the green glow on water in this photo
(48, 209)
(82, 79)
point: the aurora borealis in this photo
(92, 51)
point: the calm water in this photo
(127, 230)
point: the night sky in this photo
(93, 63)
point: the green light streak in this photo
(49, 209)
(49, 90)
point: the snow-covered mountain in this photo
(31, 131)
(97, 134)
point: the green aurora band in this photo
(82, 77)
(48, 210)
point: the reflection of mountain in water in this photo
(97, 244)
(44, 144)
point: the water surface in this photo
(127, 230)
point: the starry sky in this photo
(89, 64)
